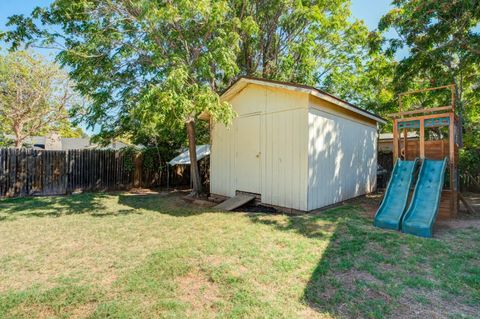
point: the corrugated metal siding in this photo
(342, 158)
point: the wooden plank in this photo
(84, 161)
(69, 171)
(102, 169)
(422, 111)
(453, 169)
(46, 172)
(37, 173)
(75, 171)
(71, 177)
(431, 116)
(427, 89)
(22, 182)
(235, 202)
(12, 172)
(445, 209)
(2, 172)
(29, 171)
(467, 205)
(49, 172)
(395, 141)
(117, 170)
(422, 139)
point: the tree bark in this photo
(17, 129)
(192, 148)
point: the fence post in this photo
(137, 174)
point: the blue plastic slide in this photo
(390, 212)
(421, 213)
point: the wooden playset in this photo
(424, 147)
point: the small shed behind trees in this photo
(294, 146)
(182, 161)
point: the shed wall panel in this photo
(284, 151)
(285, 159)
(221, 160)
(342, 158)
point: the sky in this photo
(370, 11)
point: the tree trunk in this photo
(18, 143)
(17, 129)
(192, 148)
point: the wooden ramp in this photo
(235, 202)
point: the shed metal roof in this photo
(184, 158)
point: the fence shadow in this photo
(169, 204)
(98, 205)
(53, 206)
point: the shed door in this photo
(247, 154)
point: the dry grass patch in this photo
(200, 293)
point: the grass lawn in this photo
(124, 256)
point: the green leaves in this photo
(147, 65)
(143, 63)
(35, 97)
(443, 40)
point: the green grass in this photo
(122, 256)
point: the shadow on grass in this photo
(171, 204)
(53, 206)
(319, 227)
(329, 290)
(98, 205)
(93, 204)
(365, 272)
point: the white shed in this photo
(295, 146)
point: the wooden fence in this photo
(28, 172)
(469, 182)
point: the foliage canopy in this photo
(35, 97)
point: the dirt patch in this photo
(256, 209)
(423, 303)
(369, 203)
(34, 311)
(84, 311)
(349, 281)
(351, 277)
(143, 191)
(198, 291)
(459, 224)
(442, 229)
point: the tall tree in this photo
(316, 43)
(151, 67)
(443, 40)
(35, 96)
(141, 62)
